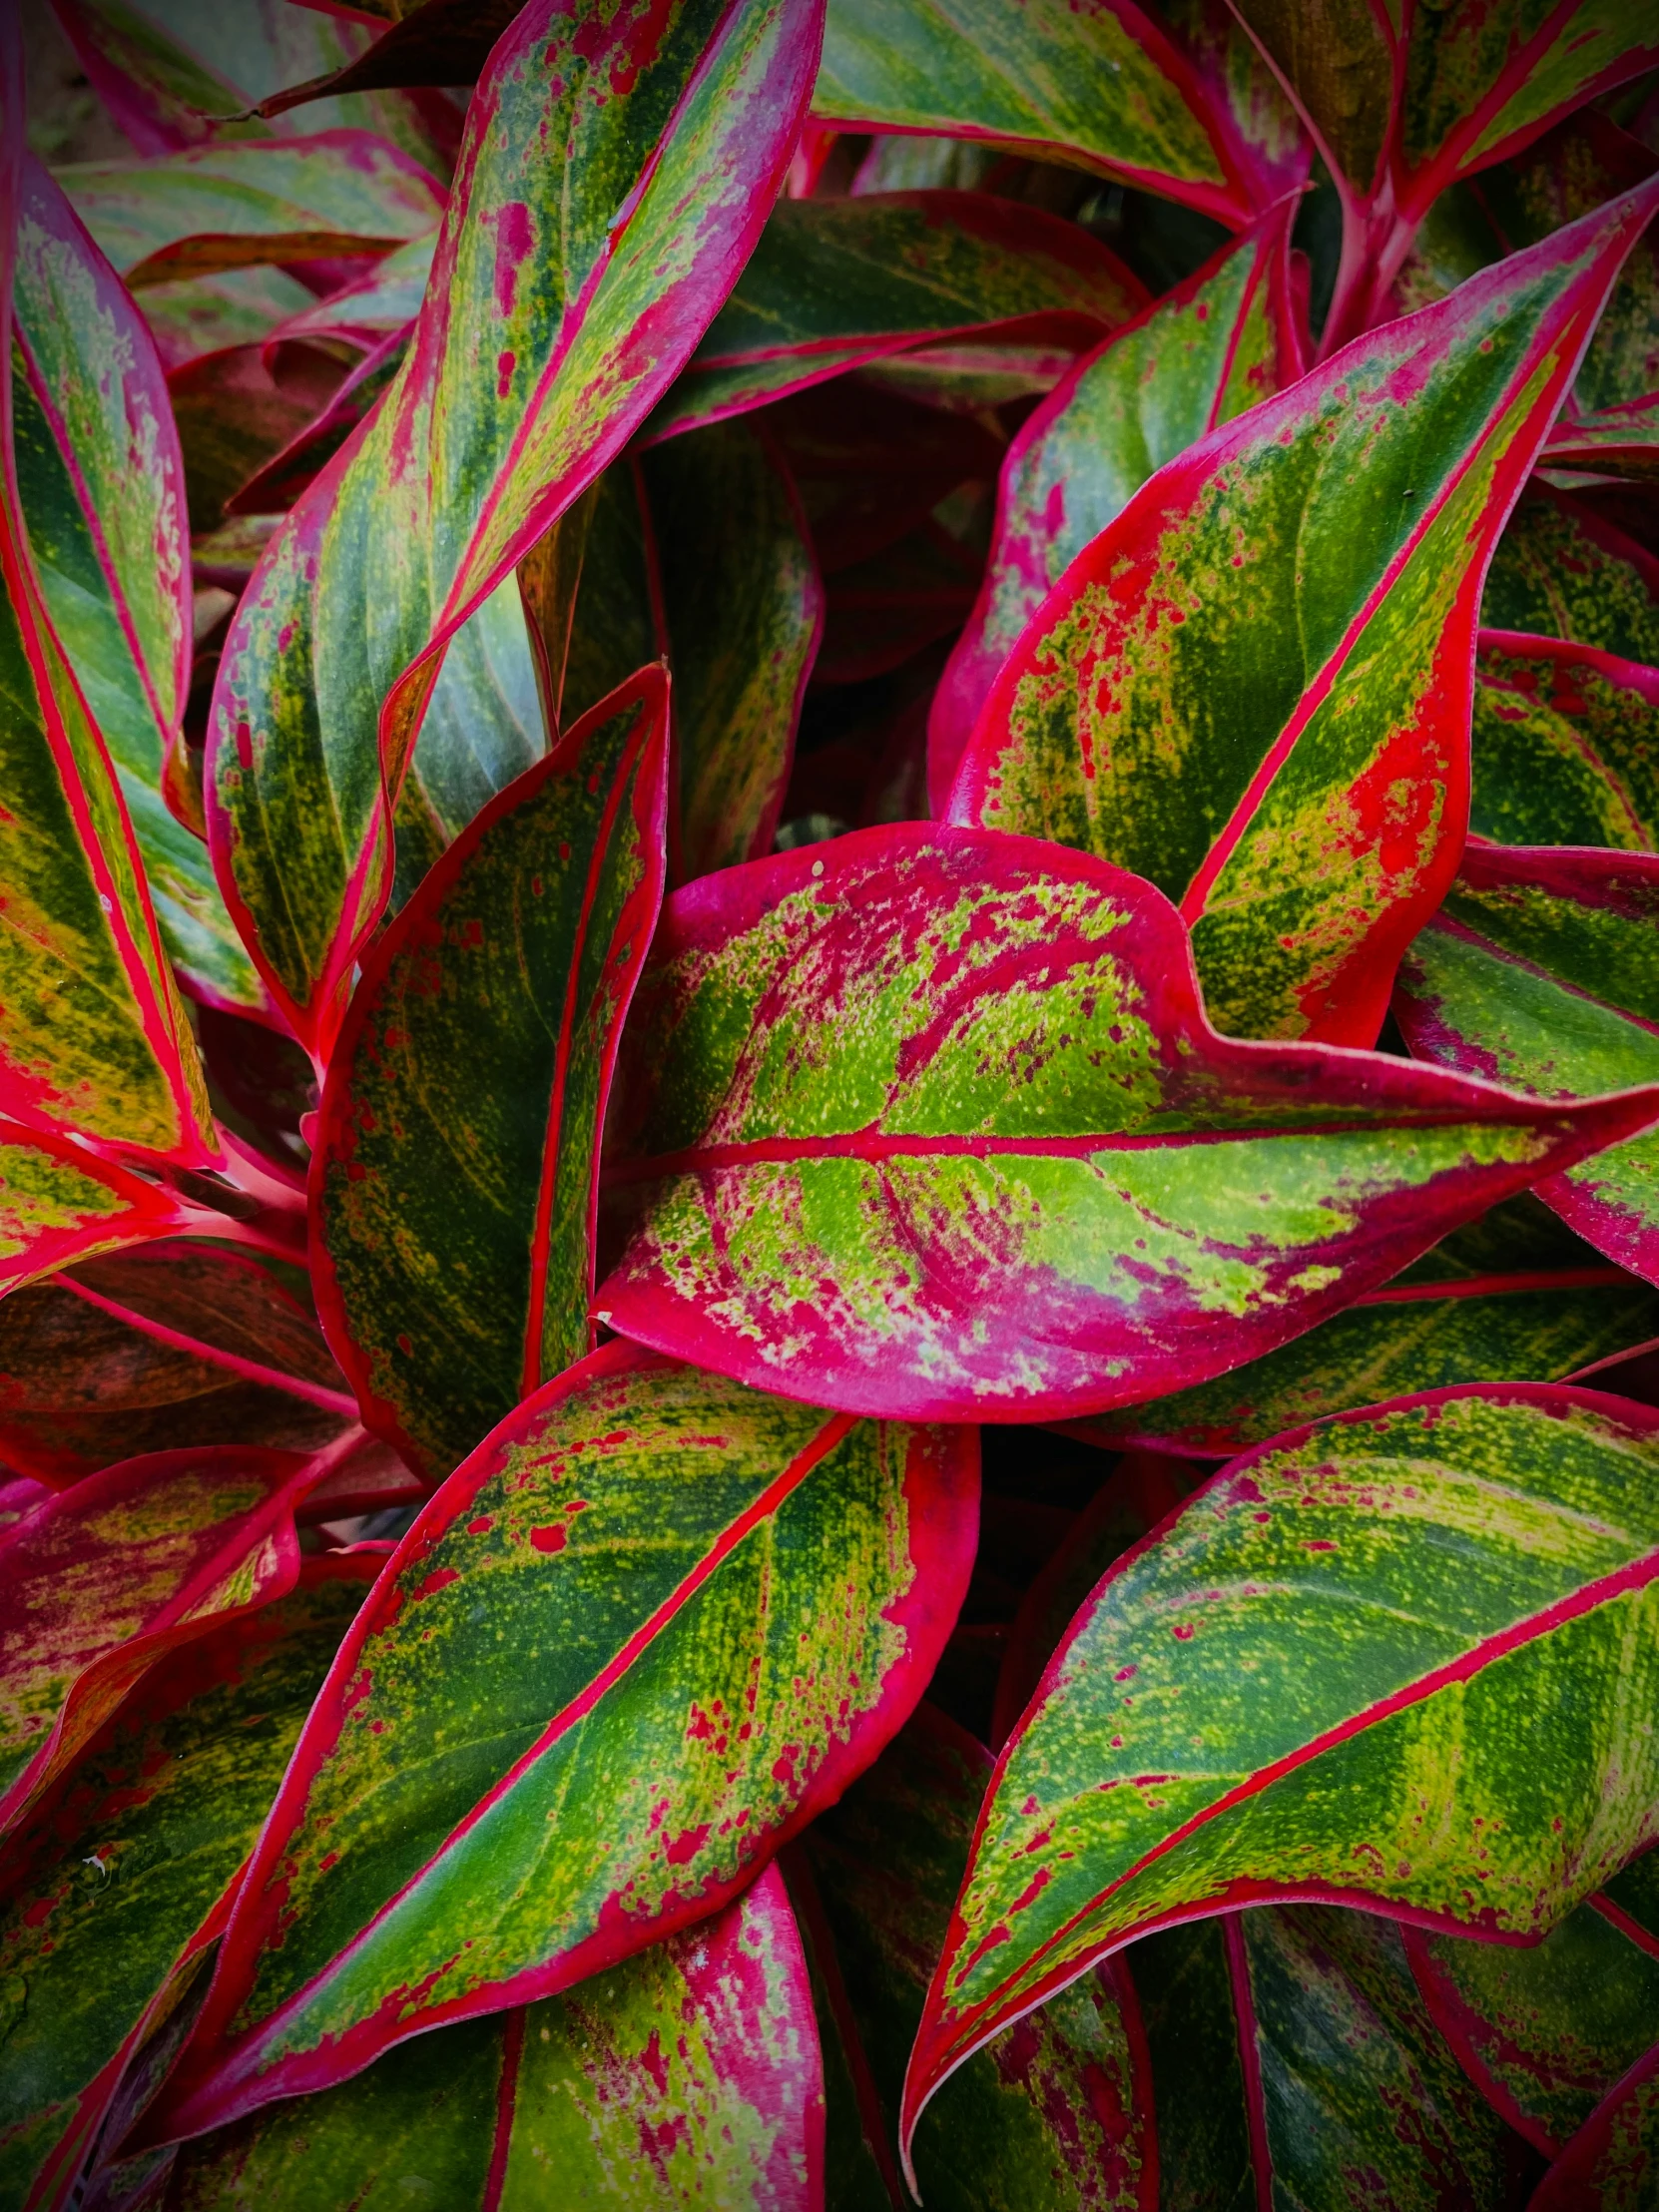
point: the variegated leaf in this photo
(1563, 570)
(1565, 744)
(59, 1202)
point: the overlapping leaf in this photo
(454, 1172)
(1214, 346)
(1265, 1699)
(59, 1202)
(929, 1122)
(435, 42)
(599, 1682)
(1539, 971)
(1565, 746)
(836, 284)
(570, 283)
(1614, 2157)
(1056, 2112)
(1563, 570)
(1306, 807)
(688, 2073)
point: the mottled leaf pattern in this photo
(1563, 570)
(1565, 746)
(59, 1204)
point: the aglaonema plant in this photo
(828, 1209)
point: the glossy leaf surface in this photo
(686, 2075)
(106, 1579)
(1305, 808)
(1056, 2111)
(118, 1888)
(476, 1060)
(1538, 971)
(1216, 345)
(1142, 1786)
(1563, 571)
(1565, 744)
(484, 1813)
(834, 283)
(929, 1122)
(568, 288)
(59, 1204)
(262, 200)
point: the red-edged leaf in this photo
(1214, 346)
(237, 408)
(596, 1687)
(1103, 85)
(569, 286)
(369, 307)
(436, 42)
(104, 1579)
(686, 2075)
(835, 284)
(1060, 2104)
(1613, 2160)
(1444, 1610)
(119, 1886)
(881, 612)
(1306, 808)
(1565, 744)
(276, 483)
(929, 1122)
(60, 1204)
(479, 1047)
(1541, 972)
(1563, 570)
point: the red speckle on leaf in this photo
(481, 1526)
(686, 1847)
(1183, 1633)
(549, 1539)
(439, 1580)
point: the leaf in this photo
(592, 590)
(1544, 2033)
(1563, 570)
(118, 1888)
(1307, 808)
(1614, 2157)
(1463, 1751)
(1102, 86)
(928, 1123)
(569, 286)
(409, 1875)
(1565, 746)
(1206, 351)
(1057, 2112)
(100, 481)
(476, 1058)
(688, 2072)
(276, 483)
(208, 314)
(834, 283)
(385, 299)
(104, 1581)
(437, 42)
(231, 206)
(1294, 2063)
(60, 1204)
(1538, 970)
(1511, 1297)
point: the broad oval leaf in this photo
(240, 203)
(103, 1580)
(1539, 971)
(569, 286)
(1305, 808)
(118, 1888)
(59, 1202)
(687, 2073)
(1565, 746)
(1219, 342)
(833, 284)
(929, 1123)
(601, 1679)
(1563, 570)
(1446, 1615)
(453, 1177)
(1055, 2113)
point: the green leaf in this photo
(1539, 971)
(686, 2075)
(1562, 571)
(476, 1060)
(1565, 746)
(571, 280)
(1056, 2113)
(118, 1889)
(1401, 1657)
(1613, 2160)
(1304, 802)
(602, 1678)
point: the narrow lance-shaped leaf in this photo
(436, 42)
(1220, 342)
(118, 1888)
(929, 1122)
(59, 1202)
(95, 1040)
(688, 2073)
(569, 286)
(101, 480)
(1520, 1624)
(1563, 570)
(1102, 85)
(1056, 2113)
(597, 1686)
(476, 1060)
(387, 298)
(1306, 807)
(1565, 746)
(104, 1579)
(833, 284)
